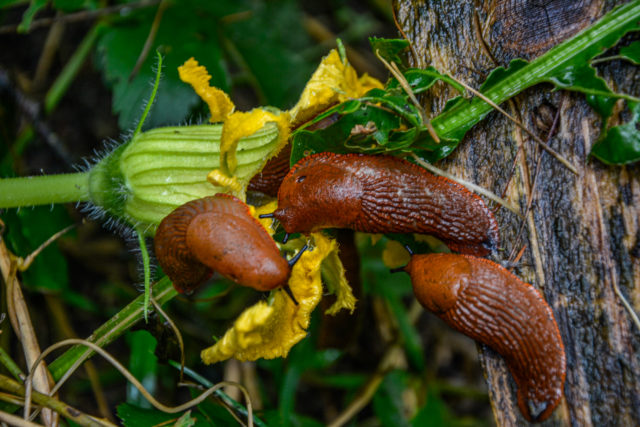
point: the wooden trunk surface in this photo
(582, 234)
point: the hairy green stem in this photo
(43, 190)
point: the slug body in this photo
(219, 234)
(383, 194)
(483, 300)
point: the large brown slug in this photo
(483, 300)
(219, 234)
(383, 194)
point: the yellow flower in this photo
(269, 330)
(197, 76)
(333, 82)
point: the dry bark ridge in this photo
(583, 232)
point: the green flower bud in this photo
(143, 180)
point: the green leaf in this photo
(27, 229)
(434, 413)
(388, 399)
(390, 49)
(188, 29)
(213, 413)
(620, 144)
(421, 80)
(393, 288)
(566, 65)
(368, 128)
(632, 52)
(34, 7)
(134, 416)
(281, 65)
(143, 364)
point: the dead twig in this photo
(80, 16)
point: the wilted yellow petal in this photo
(395, 255)
(331, 83)
(270, 330)
(197, 76)
(218, 179)
(267, 223)
(240, 124)
(333, 275)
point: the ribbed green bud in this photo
(143, 180)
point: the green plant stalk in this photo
(121, 322)
(455, 122)
(10, 365)
(43, 190)
(70, 70)
(62, 408)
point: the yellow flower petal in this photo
(333, 275)
(239, 125)
(331, 83)
(395, 255)
(267, 223)
(231, 184)
(197, 76)
(270, 330)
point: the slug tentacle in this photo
(218, 234)
(383, 194)
(487, 303)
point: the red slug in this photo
(483, 300)
(383, 194)
(219, 234)
(269, 179)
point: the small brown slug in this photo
(219, 234)
(486, 302)
(383, 194)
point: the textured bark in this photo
(582, 234)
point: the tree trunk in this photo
(582, 234)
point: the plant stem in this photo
(120, 323)
(455, 122)
(62, 408)
(10, 365)
(44, 190)
(70, 70)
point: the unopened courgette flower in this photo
(270, 328)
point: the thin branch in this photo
(535, 137)
(150, 39)
(469, 185)
(22, 325)
(133, 380)
(54, 404)
(25, 263)
(399, 28)
(366, 393)
(80, 16)
(393, 69)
